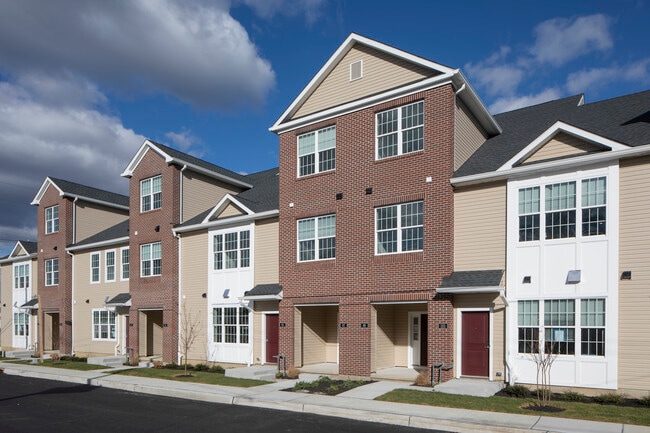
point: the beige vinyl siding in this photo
(6, 312)
(92, 218)
(487, 301)
(562, 145)
(96, 295)
(381, 72)
(200, 192)
(194, 282)
(634, 296)
(259, 308)
(392, 334)
(267, 251)
(468, 134)
(20, 251)
(229, 211)
(480, 227)
(319, 335)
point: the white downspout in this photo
(459, 90)
(510, 376)
(74, 220)
(180, 216)
(72, 300)
(178, 319)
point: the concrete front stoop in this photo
(108, 361)
(256, 372)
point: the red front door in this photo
(424, 339)
(272, 337)
(475, 344)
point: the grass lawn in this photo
(197, 377)
(70, 365)
(587, 411)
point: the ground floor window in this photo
(21, 324)
(103, 325)
(231, 325)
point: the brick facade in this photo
(357, 277)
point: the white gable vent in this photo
(356, 70)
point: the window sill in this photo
(411, 256)
(398, 157)
(315, 175)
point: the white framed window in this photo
(94, 268)
(592, 327)
(151, 193)
(103, 324)
(124, 275)
(230, 325)
(528, 326)
(400, 130)
(399, 228)
(150, 259)
(109, 265)
(52, 219)
(231, 250)
(21, 324)
(317, 151)
(51, 272)
(317, 238)
(21, 276)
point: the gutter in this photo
(226, 222)
(98, 244)
(93, 200)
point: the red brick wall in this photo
(357, 276)
(155, 292)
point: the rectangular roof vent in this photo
(356, 70)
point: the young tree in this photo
(543, 359)
(189, 332)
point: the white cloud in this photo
(561, 40)
(195, 51)
(600, 77)
(268, 8)
(514, 102)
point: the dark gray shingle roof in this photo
(31, 303)
(264, 290)
(30, 247)
(117, 231)
(488, 278)
(77, 189)
(119, 299)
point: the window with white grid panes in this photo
(52, 219)
(103, 324)
(399, 228)
(126, 269)
(230, 325)
(21, 276)
(51, 272)
(594, 206)
(151, 193)
(559, 326)
(317, 238)
(317, 151)
(94, 268)
(231, 250)
(400, 130)
(560, 204)
(528, 326)
(529, 214)
(21, 324)
(109, 264)
(592, 327)
(150, 259)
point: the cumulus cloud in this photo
(514, 102)
(266, 9)
(495, 75)
(196, 52)
(588, 78)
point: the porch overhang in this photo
(120, 300)
(264, 292)
(32, 304)
(470, 290)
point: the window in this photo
(21, 324)
(231, 250)
(94, 268)
(21, 276)
(528, 322)
(52, 219)
(109, 262)
(125, 264)
(560, 209)
(317, 238)
(151, 193)
(399, 228)
(51, 272)
(592, 327)
(559, 326)
(317, 151)
(103, 325)
(400, 130)
(230, 325)
(150, 259)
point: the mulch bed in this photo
(328, 387)
(626, 402)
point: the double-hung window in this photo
(400, 130)
(109, 263)
(51, 272)
(317, 238)
(559, 326)
(52, 219)
(21, 324)
(317, 151)
(103, 325)
(399, 228)
(231, 250)
(21, 276)
(529, 214)
(528, 326)
(592, 327)
(94, 268)
(230, 325)
(594, 208)
(560, 210)
(150, 259)
(125, 264)
(151, 193)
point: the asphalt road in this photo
(37, 405)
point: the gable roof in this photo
(624, 120)
(119, 233)
(173, 156)
(31, 248)
(443, 74)
(82, 192)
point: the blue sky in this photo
(83, 83)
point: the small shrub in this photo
(645, 401)
(216, 369)
(201, 367)
(303, 385)
(572, 396)
(422, 379)
(518, 391)
(349, 384)
(324, 380)
(279, 375)
(333, 389)
(170, 366)
(610, 398)
(293, 373)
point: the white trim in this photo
(315, 239)
(115, 267)
(398, 229)
(459, 342)
(397, 302)
(411, 346)
(47, 182)
(92, 326)
(263, 336)
(223, 204)
(468, 290)
(277, 297)
(100, 244)
(227, 222)
(122, 263)
(99, 267)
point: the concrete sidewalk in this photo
(355, 404)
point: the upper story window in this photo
(109, 262)
(231, 250)
(52, 219)
(317, 151)
(400, 130)
(94, 268)
(317, 238)
(125, 264)
(151, 193)
(51, 272)
(399, 228)
(150, 259)
(560, 207)
(21, 276)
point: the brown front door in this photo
(475, 343)
(272, 337)
(424, 339)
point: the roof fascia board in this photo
(32, 256)
(106, 243)
(41, 192)
(227, 222)
(93, 200)
(137, 158)
(552, 165)
(13, 250)
(469, 290)
(263, 297)
(210, 173)
(223, 204)
(556, 128)
(474, 102)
